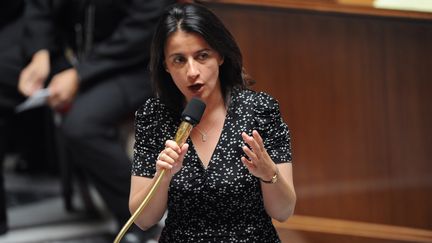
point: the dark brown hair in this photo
(194, 18)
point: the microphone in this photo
(190, 116)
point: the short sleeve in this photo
(153, 126)
(272, 128)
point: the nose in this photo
(192, 69)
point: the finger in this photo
(34, 85)
(248, 139)
(171, 153)
(173, 145)
(245, 137)
(160, 154)
(22, 82)
(258, 139)
(52, 100)
(165, 158)
(252, 143)
(179, 162)
(249, 164)
(252, 156)
(184, 150)
(25, 83)
(164, 165)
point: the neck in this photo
(214, 111)
(211, 122)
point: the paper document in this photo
(39, 98)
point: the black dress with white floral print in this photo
(223, 202)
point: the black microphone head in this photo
(193, 111)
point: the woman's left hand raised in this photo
(259, 163)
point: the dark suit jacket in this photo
(11, 61)
(110, 38)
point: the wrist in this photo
(166, 176)
(271, 179)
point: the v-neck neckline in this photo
(216, 148)
(222, 134)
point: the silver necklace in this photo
(203, 135)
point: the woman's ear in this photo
(221, 61)
(165, 66)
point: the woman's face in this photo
(193, 65)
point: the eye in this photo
(203, 56)
(178, 60)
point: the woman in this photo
(233, 175)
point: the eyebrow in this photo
(199, 51)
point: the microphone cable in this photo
(190, 116)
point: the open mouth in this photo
(195, 87)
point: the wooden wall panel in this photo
(356, 92)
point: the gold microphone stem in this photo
(140, 208)
(181, 135)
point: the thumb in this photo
(184, 150)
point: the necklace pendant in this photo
(203, 135)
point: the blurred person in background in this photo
(92, 55)
(11, 12)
